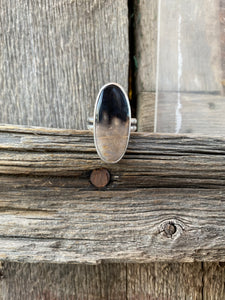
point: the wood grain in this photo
(145, 35)
(105, 281)
(59, 281)
(189, 46)
(64, 282)
(145, 18)
(163, 179)
(55, 56)
(214, 281)
(68, 225)
(164, 281)
(200, 113)
(211, 122)
(146, 111)
(152, 160)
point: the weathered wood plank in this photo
(189, 46)
(199, 113)
(63, 282)
(163, 179)
(68, 225)
(201, 66)
(214, 281)
(145, 18)
(55, 56)
(152, 160)
(145, 31)
(211, 121)
(164, 281)
(146, 111)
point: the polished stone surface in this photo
(112, 123)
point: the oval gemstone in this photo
(112, 121)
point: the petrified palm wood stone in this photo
(112, 122)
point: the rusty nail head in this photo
(100, 177)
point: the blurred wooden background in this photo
(55, 55)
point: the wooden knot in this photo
(100, 177)
(169, 229)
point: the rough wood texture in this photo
(189, 61)
(214, 281)
(146, 13)
(164, 281)
(65, 219)
(152, 160)
(55, 56)
(146, 111)
(222, 41)
(189, 46)
(200, 113)
(212, 122)
(105, 281)
(197, 61)
(47, 281)
(63, 282)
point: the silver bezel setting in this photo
(92, 121)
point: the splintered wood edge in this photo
(66, 152)
(165, 200)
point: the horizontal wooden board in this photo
(165, 201)
(152, 160)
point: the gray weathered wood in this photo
(146, 111)
(21, 281)
(63, 282)
(164, 281)
(146, 13)
(166, 178)
(214, 281)
(152, 160)
(214, 287)
(200, 75)
(62, 224)
(105, 281)
(55, 56)
(200, 113)
(189, 46)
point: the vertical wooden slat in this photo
(55, 55)
(214, 281)
(189, 97)
(164, 281)
(208, 277)
(146, 17)
(58, 282)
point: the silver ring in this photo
(112, 123)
